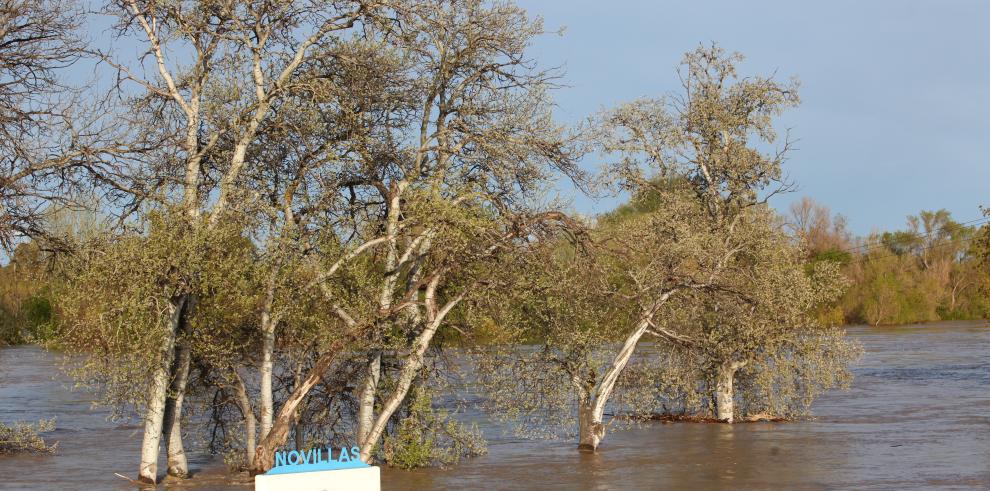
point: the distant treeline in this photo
(25, 306)
(933, 269)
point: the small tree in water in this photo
(696, 233)
(760, 324)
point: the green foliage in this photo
(26, 312)
(428, 437)
(39, 316)
(697, 261)
(26, 438)
(833, 255)
(931, 271)
(114, 304)
(785, 382)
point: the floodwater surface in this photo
(916, 417)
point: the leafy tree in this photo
(696, 238)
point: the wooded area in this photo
(316, 220)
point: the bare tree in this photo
(46, 134)
(816, 227)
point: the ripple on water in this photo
(917, 417)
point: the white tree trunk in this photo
(300, 424)
(414, 362)
(367, 435)
(724, 394)
(406, 377)
(607, 385)
(148, 471)
(366, 409)
(172, 424)
(591, 409)
(155, 412)
(267, 402)
(250, 430)
(591, 430)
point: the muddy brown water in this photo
(917, 417)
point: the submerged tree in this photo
(442, 179)
(191, 126)
(694, 151)
(696, 231)
(311, 197)
(383, 175)
(761, 319)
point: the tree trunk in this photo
(250, 438)
(300, 434)
(366, 410)
(724, 394)
(267, 401)
(155, 412)
(249, 421)
(591, 431)
(591, 408)
(406, 376)
(300, 425)
(413, 363)
(172, 426)
(264, 456)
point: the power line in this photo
(865, 257)
(865, 248)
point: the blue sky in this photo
(895, 94)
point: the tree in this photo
(928, 271)
(696, 180)
(820, 232)
(437, 186)
(51, 140)
(702, 135)
(761, 318)
(191, 127)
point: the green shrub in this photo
(26, 438)
(428, 437)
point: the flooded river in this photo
(917, 417)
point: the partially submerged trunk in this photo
(264, 456)
(366, 404)
(724, 395)
(410, 370)
(413, 363)
(155, 411)
(172, 425)
(591, 403)
(591, 430)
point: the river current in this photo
(916, 417)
